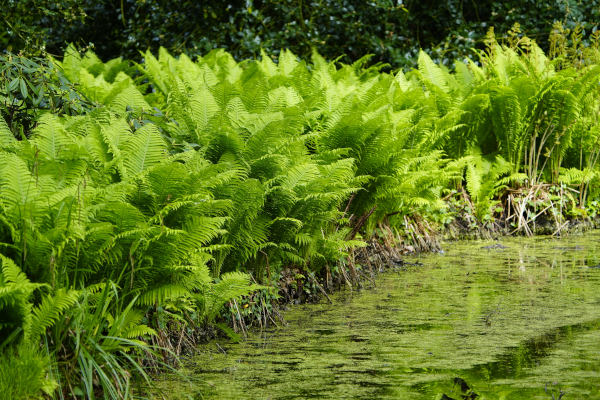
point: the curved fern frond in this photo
(49, 311)
(7, 139)
(145, 149)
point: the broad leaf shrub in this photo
(148, 213)
(32, 85)
(392, 31)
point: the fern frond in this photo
(7, 139)
(145, 149)
(51, 139)
(431, 72)
(49, 311)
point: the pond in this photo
(514, 319)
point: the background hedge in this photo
(391, 30)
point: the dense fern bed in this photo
(137, 202)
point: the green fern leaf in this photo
(145, 149)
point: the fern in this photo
(7, 139)
(231, 286)
(432, 73)
(194, 173)
(145, 149)
(47, 313)
(19, 313)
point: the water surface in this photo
(520, 322)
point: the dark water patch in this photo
(358, 339)
(323, 331)
(517, 361)
(288, 364)
(360, 357)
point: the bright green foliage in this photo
(253, 122)
(303, 143)
(517, 106)
(485, 179)
(24, 368)
(104, 335)
(24, 373)
(87, 200)
(192, 175)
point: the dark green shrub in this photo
(29, 86)
(391, 30)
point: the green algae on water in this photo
(520, 322)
